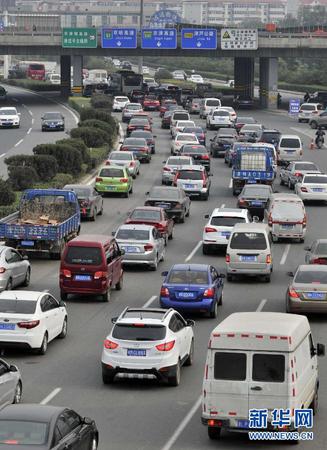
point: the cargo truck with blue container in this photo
(45, 221)
(252, 164)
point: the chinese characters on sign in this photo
(198, 38)
(239, 39)
(118, 38)
(294, 106)
(79, 38)
(159, 38)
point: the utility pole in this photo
(140, 59)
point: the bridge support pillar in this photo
(65, 75)
(268, 86)
(77, 75)
(244, 76)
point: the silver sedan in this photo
(10, 384)
(142, 244)
(125, 159)
(15, 269)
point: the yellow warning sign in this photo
(226, 35)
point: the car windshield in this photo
(181, 116)
(120, 156)
(225, 221)
(139, 332)
(84, 255)
(270, 137)
(197, 130)
(255, 192)
(290, 143)
(221, 114)
(178, 161)
(36, 66)
(52, 116)
(8, 112)
(248, 241)
(23, 432)
(188, 277)
(305, 166)
(141, 134)
(287, 209)
(111, 172)
(321, 248)
(213, 102)
(80, 192)
(145, 214)
(121, 99)
(190, 175)
(17, 306)
(132, 235)
(186, 137)
(136, 107)
(158, 192)
(139, 142)
(315, 180)
(139, 122)
(311, 277)
(194, 149)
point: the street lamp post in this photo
(140, 60)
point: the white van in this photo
(289, 148)
(208, 104)
(98, 76)
(258, 360)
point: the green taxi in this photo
(114, 179)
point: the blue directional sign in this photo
(198, 38)
(118, 37)
(159, 38)
(294, 106)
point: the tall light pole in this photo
(140, 60)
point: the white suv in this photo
(218, 229)
(148, 341)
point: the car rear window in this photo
(145, 214)
(230, 366)
(180, 116)
(135, 141)
(120, 156)
(315, 180)
(188, 137)
(221, 114)
(248, 241)
(305, 166)
(223, 221)
(268, 367)
(194, 149)
(138, 121)
(308, 107)
(133, 235)
(188, 277)
(91, 256)
(213, 103)
(17, 306)
(23, 432)
(112, 172)
(287, 210)
(178, 161)
(321, 248)
(270, 137)
(256, 192)
(139, 332)
(190, 175)
(311, 277)
(122, 99)
(290, 143)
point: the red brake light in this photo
(227, 258)
(268, 259)
(29, 325)
(138, 325)
(109, 345)
(107, 163)
(148, 247)
(270, 222)
(292, 293)
(166, 169)
(164, 292)
(318, 261)
(304, 189)
(304, 221)
(210, 230)
(297, 174)
(209, 292)
(66, 273)
(124, 180)
(166, 347)
(2, 270)
(98, 179)
(205, 157)
(132, 164)
(98, 275)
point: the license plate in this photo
(7, 326)
(83, 277)
(136, 352)
(52, 125)
(290, 151)
(130, 249)
(110, 188)
(226, 234)
(163, 205)
(256, 203)
(185, 294)
(27, 243)
(248, 258)
(315, 295)
(287, 227)
(317, 189)
(188, 186)
(243, 423)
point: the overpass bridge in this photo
(270, 47)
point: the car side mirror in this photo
(222, 275)
(165, 273)
(255, 219)
(206, 216)
(42, 117)
(211, 140)
(87, 421)
(147, 193)
(19, 114)
(320, 350)
(114, 320)
(62, 304)
(308, 249)
(163, 162)
(113, 233)
(122, 252)
(290, 274)
(13, 368)
(191, 323)
(154, 136)
(25, 258)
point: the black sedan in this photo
(90, 201)
(172, 199)
(52, 121)
(43, 427)
(148, 136)
(199, 153)
(223, 140)
(255, 197)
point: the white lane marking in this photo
(32, 121)
(285, 253)
(151, 300)
(29, 130)
(196, 248)
(30, 112)
(261, 305)
(49, 397)
(3, 154)
(230, 183)
(223, 205)
(76, 118)
(179, 430)
(18, 143)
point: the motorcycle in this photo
(320, 142)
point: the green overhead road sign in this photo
(79, 38)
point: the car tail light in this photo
(268, 259)
(304, 189)
(318, 261)
(176, 178)
(132, 164)
(205, 157)
(314, 112)
(143, 149)
(107, 163)
(100, 274)
(98, 179)
(242, 201)
(292, 293)
(148, 247)
(123, 149)
(164, 292)
(85, 203)
(304, 221)
(209, 292)
(66, 273)
(109, 345)
(297, 174)
(166, 347)
(270, 221)
(2, 270)
(28, 325)
(166, 169)
(209, 230)
(123, 180)
(227, 259)
(178, 206)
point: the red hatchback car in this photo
(151, 103)
(91, 265)
(165, 106)
(155, 216)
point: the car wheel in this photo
(131, 190)
(154, 265)
(126, 194)
(94, 215)
(214, 313)
(220, 301)
(106, 296)
(313, 124)
(18, 393)
(205, 196)
(190, 357)
(63, 333)
(108, 378)
(314, 403)
(119, 285)
(94, 444)
(9, 285)
(175, 378)
(63, 296)
(44, 346)
(281, 182)
(182, 218)
(134, 176)
(171, 236)
(205, 249)
(290, 185)
(267, 278)
(27, 277)
(214, 433)
(188, 212)
(101, 210)
(229, 277)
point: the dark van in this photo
(91, 265)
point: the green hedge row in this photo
(34, 85)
